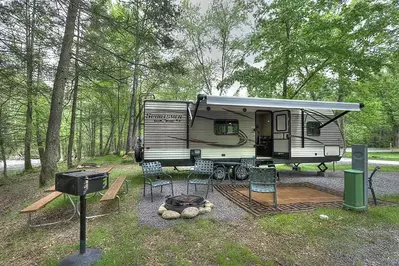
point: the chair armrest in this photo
(187, 177)
(147, 180)
(168, 175)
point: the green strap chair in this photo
(263, 180)
(201, 175)
(154, 177)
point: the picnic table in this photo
(110, 194)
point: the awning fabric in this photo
(278, 103)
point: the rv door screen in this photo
(281, 134)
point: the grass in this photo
(237, 255)
(393, 198)
(313, 167)
(346, 238)
(388, 156)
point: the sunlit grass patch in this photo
(108, 159)
(313, 167)
(389, 156)
(339, 220)
(234, 254)
(392, 197)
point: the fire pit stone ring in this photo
(184, 206)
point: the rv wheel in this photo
(240, 172)
(219, 173)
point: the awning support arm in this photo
(200, 98)
(333, 119)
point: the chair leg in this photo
(195, 187)
(212, 184)
(250, 195)
(152, 200)
(171, 185)
(275, 199)
(187, 186)
(144, 191)
(207, 190)
(161, 188)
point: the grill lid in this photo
(82, 173)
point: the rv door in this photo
(281, 134)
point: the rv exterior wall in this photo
(167, 136)
(165, 130)
(330, 135)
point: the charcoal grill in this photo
(81, 182)
(179, 203)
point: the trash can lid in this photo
(353, 171)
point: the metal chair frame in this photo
(265, 179)
(152, 173)
(201, 168)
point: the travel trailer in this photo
(228, 129)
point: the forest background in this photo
(74, 74)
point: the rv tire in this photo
(240, 172)
(219, 173)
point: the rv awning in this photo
(277, 103)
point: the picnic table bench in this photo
(41, 204)
(110, 194)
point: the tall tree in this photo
(30, 38)
(74, 99)
(298, 42)
(152, 22)
(214, 41)
(49, 164)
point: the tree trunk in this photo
(341, 98)
(39, 137)
(101, 132)
(110, 137)
(74, 100)
(54, 123)
(30, 29)
(286, 61)
(132, 118)
(3, 149)
(93, 139)
(119, 142)
(79, 155)
(3, 155)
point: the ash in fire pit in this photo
(185, 206)
(179, 203)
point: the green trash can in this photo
(354, 190)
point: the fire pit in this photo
(179, 203)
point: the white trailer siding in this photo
(327, 144)
(165, 130)
(202, 135)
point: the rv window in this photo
(312, 128)
(226, 127)
(281, 122)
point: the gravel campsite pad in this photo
(384, 183)
(224, 210)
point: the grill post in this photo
(82, 224)
(80, 183)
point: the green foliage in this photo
(340, 221)
(234, 254)
(389, 156)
